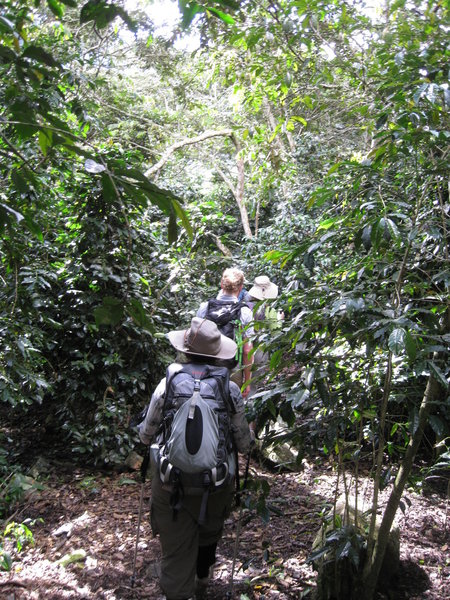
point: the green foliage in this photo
(344, 147)
(14, 484)
(255, 499)
(360, 290)
(78, 312)
(14, 488)
(341, 544)
(20, 535)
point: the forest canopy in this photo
(307, 141)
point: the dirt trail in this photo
(97, 513)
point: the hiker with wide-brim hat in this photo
(266, 320)
(203, 339)
(188, 530)
(263, 289)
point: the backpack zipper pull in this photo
(194, 398)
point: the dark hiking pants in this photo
(188, 549)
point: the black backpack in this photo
(195, 452)
(226, 314)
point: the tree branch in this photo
(227, 180)
(186, 142)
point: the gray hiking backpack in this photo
(195, 453)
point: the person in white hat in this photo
(188, 543)
(266, 319)
(263, 289)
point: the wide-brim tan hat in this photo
(203, 339)
(263, 288)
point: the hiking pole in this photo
(238, 530)
(144, 467)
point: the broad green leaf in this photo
(7, 55)
(172, 229)
(275, 359)
(394, 429)
(438, 426)
(439, 375)
(392, 229)
(221, 15)
(34, 228)
(108, 188)
(299, 397)
(6, 25)
(366, 237)
(381, 120)
(310, 377)
(183, 217)
(41, 55)
(160, 198)
(334, 168)
(327, 223)
(396, 342)
(25, 116)
(110, 312)
(309, 260)
(93, 10)
(45, 140)
(103, 14)
(189, 11)
(135, 193)
(19, 181)
(377, 233)
(56, 8)
(414, 419)
(271, 407)
(139, 315)
(410, 345)
(297, 119)
(308, 101)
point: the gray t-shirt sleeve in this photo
(153, 419)
(201, 313)
(247, 321)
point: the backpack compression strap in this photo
(239, 342)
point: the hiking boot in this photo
(201, 583)
(154, 570)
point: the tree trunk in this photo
(238, 191)
(374, 562)
(240, 199)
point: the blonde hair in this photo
(232, 280)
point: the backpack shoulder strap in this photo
(222, 377)
(171, 371)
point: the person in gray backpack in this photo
(195, 422)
